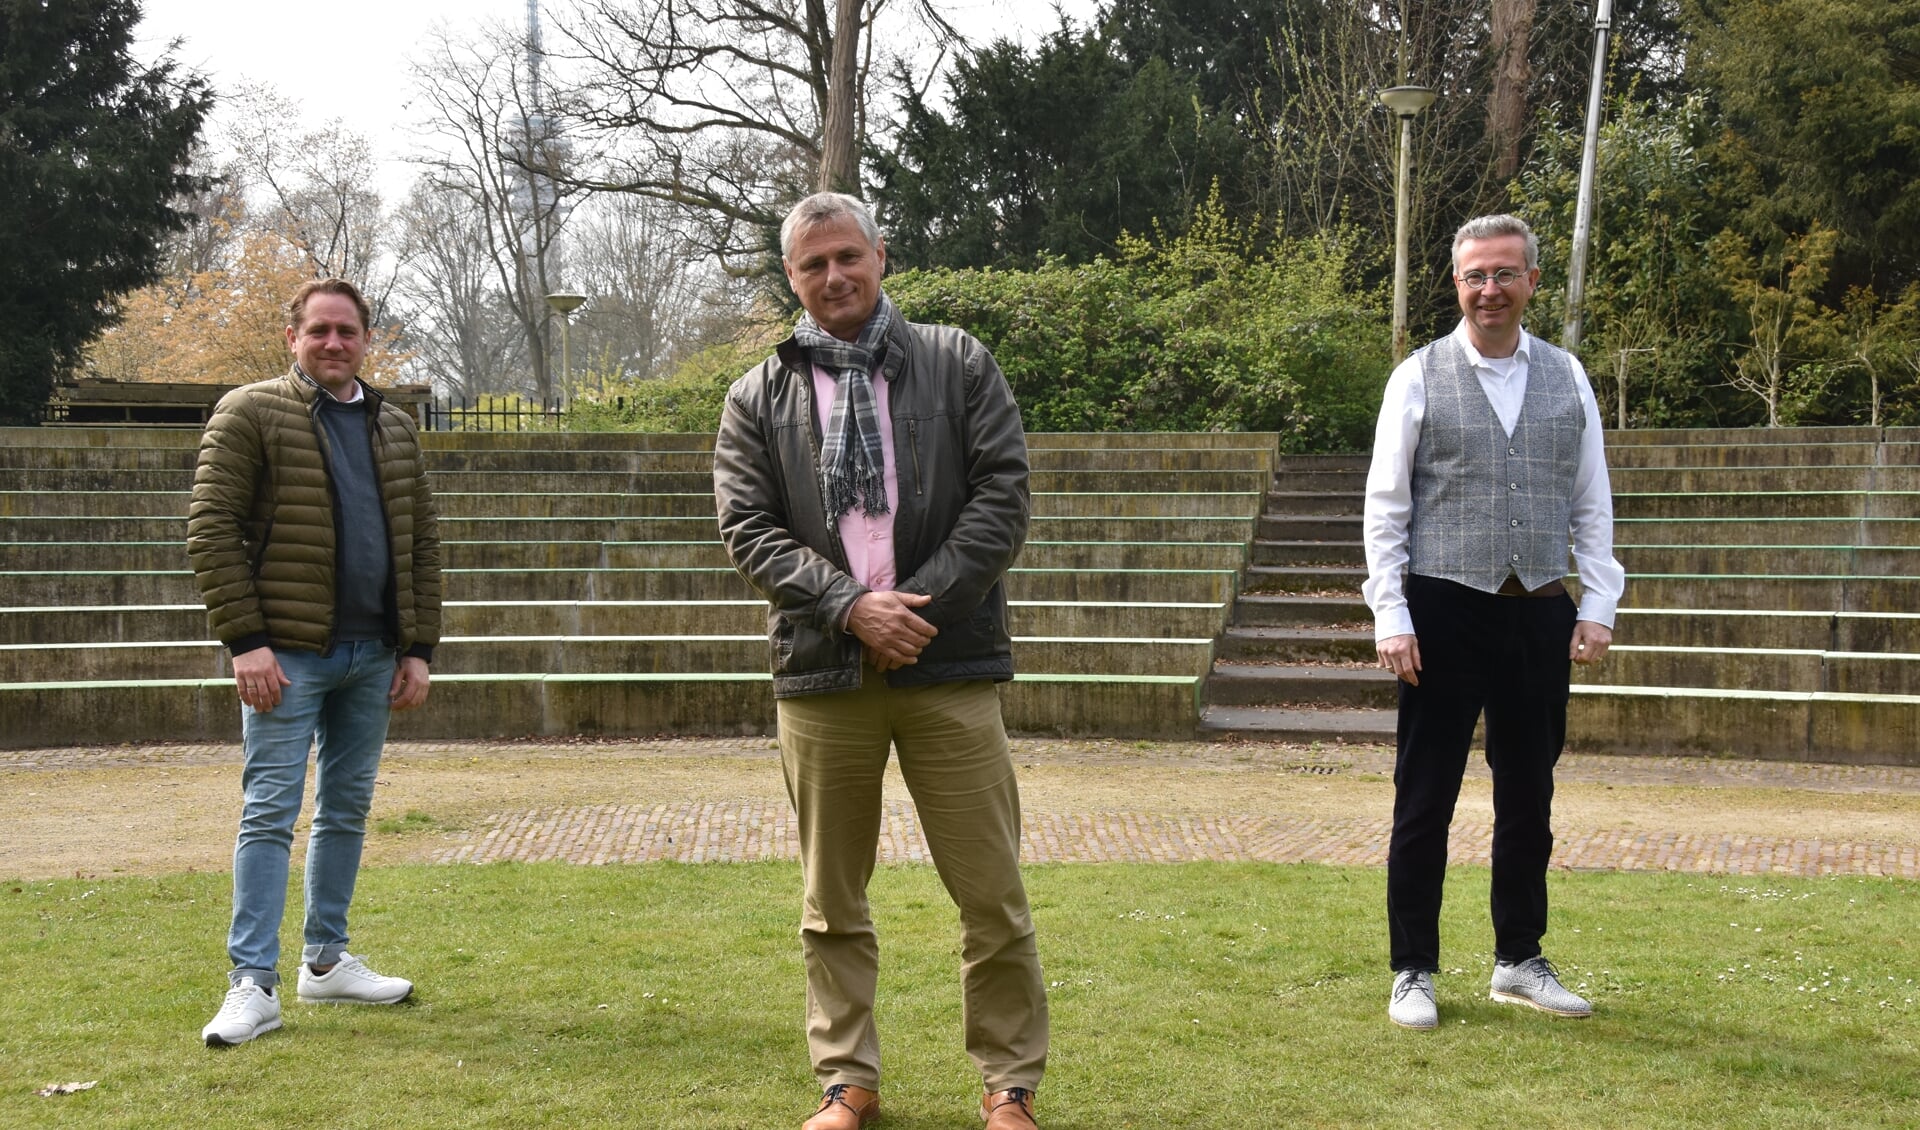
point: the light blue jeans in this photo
(339, 702)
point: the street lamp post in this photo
(1583, 203)
(564, 304)
(1405, 102)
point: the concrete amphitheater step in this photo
(1755, 455)
(1771, 724)
(1305, 579)
(501, 654)
(176, 586)
(1089, 619)
(1285, 724)
(1722, 480)
(641, 480)
(1820, 630)
(1248, 642)
(1305, 503)
(615, 504)
(1775, 593)
(1247, 684)
(1309, 527)
(1752, 668)
(1785, 504)
(1286, 609)
(632, 705)
(1314, 552)
(1784, 560)
(1722, 437)
(557, 554)
(1846, 530)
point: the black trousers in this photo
(1506, 656)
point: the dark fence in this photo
(487, 414)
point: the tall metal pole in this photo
(1583, 208)
(564, 303)
(1401, 205)
(1405, 102)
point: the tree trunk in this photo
(839, 153)
(1507, 109)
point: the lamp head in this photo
(1406, 101)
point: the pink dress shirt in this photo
(868, 541)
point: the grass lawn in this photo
(1232, 996)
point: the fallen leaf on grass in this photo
(52, 1089)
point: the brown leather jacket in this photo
(260, 529)
(961, 457)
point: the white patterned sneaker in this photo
(1534, 983)
(1411, 1005)
(248, 1011)
(351, 982)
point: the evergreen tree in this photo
(93, 153)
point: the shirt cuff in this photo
(1392, 622)
(1597, 610)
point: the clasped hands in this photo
(1401, 654)
(886, 624)
(259, 679)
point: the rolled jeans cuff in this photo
(328, 954)
(265, 978)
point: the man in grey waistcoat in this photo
(1488, 456)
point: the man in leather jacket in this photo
(871, 478)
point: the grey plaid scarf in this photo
(852, 463)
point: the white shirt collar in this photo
(1474, 357)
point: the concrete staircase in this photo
(588, 592)
(1772, 605)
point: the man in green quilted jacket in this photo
(313, 538)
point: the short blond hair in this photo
(297, 305)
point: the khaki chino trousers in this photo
(954, 756)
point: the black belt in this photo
(1512, 586)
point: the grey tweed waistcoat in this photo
(1486, 504)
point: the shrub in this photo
(1205, 332)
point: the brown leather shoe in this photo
(1011, 1109)
(845, 1107)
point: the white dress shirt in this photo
(1389, 506)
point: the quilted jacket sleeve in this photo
(225, 485)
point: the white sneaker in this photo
(1411, 1005)
(248, 1011)
(351, 982)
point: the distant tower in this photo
(534, 51)
(542, 153)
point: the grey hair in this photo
(1492, 227)
(825, 207)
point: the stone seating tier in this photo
(1764, 567)
(588, 591)
(1771, 610)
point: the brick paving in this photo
(708, 832)
(760, 829)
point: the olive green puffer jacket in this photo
(260, 530)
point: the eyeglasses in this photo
(1504, 278)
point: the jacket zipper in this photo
(913, 441)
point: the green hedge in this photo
(1200, 333)
(1207, 332)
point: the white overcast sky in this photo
(347, 59)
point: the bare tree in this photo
(459, 327)
(503, 155)
(1507, 106)
(316, 188)
(655, 295)
(839, 156)
(722, 107)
